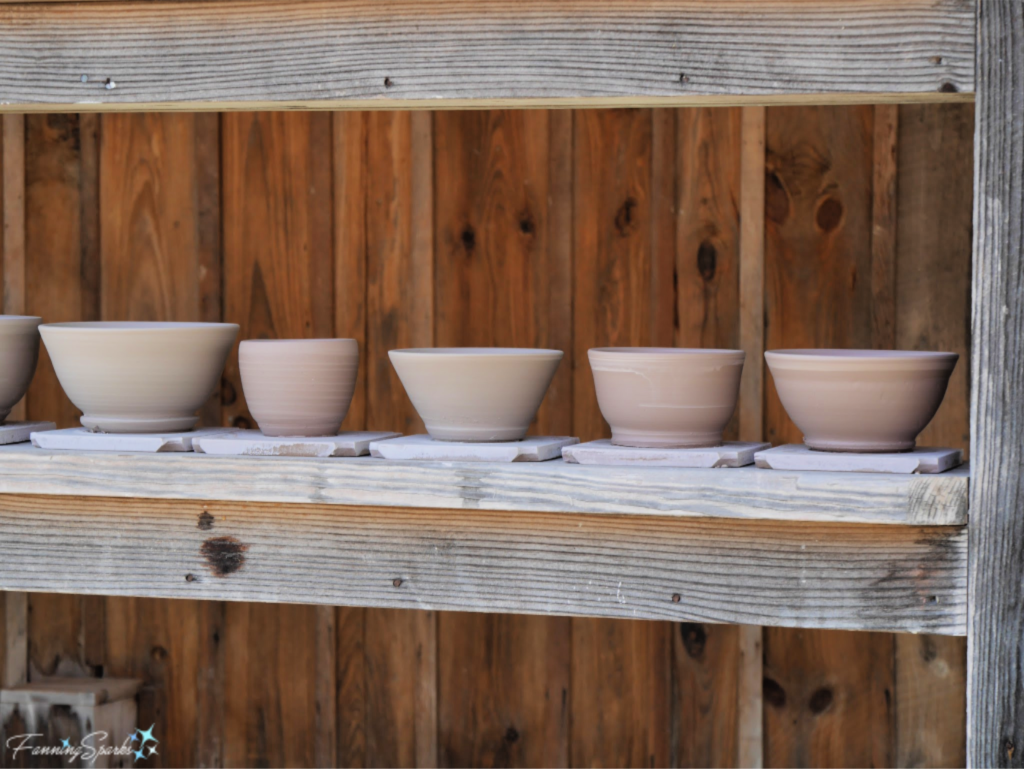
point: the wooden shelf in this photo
(746, 546)
(435, 54)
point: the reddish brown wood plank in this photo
(620, 670)
(503, 278)
(279, 252)
(828, 696)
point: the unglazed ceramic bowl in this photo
(860, 400)
(19, 353)
(476, 394)
(135, 377)
(298, 387)
(666, 397)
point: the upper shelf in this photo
(402, 54)
(552, 487)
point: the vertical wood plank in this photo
(934, 272)
(503, 680)
(707, 274)
(400, 647)
(279, 253)
(621, 671)
(61, 230)
(752, 237)
(159, 220)
(828, 696)
(400, 258)
(14, 653)
(351, 708)
(884, 227)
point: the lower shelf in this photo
(434, 553)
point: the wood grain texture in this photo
(503, 278)
(884, 226)
(751, 273)
(338, 53)
(931, 689)
(817, 235)
(400, 259)
(995, 694)
(747, 492)
(279, 248)
(897, 578)
(828, 698)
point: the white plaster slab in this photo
(253, 443)
(20, 432)
(81, 439)
(604, 452)
(531, 449)
(800, 457)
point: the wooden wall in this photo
(843, 226)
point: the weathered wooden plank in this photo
(351, 53)
(752, 572)
(995, 633)
(542, 486)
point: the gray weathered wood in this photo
(995, 640)
(553, 486)
(702, 570)
(215, 54)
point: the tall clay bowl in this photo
(861, 400)
(476, 394)
(666, 397)
(19, 353)
(135, 377)
(298, 387)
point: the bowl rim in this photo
(666, 351)
(832, 358)
(321, 340)
(137, 326)
(4, 317)
(478, 352)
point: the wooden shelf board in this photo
(786, 573)
(437, 54)
(550, 487)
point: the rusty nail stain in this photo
(190, 578)
(676, 598)
(387, 82)
(397, 582)
(206, 521)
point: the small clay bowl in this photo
(136, 377)
(861, 400)
(476, 394)
(298, 387)
(19, 353)
(666, 397)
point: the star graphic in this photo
(139, 756)
(135, 736)
(147, 735)
(66, 742)
(152, 751)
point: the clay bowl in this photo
(666, 397)
(19, 353)
(860, 400)
(298, 387)
(476, 394)
(133, 377)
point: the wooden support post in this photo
(995, 623)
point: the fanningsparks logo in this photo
(140, 745)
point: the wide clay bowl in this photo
(19, 353)
(861, 400)
(476, 394)
(666, 397)
(298, 387)
(130, 377)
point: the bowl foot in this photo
(639, 440)
(135, 425)
(859, 447)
